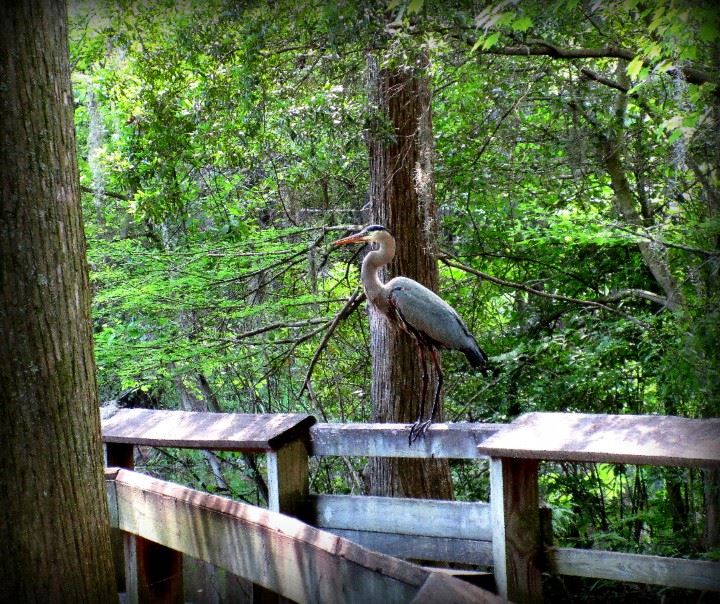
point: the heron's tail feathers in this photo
(477, 358)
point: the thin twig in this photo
(454, 262)
(353, 302)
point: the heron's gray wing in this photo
(426, 312)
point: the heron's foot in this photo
(418, 429)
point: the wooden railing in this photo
(505, 533)
(272, 550)
(518, 550)
(440, 531)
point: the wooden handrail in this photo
(441, 441)
(200, 430)
(506, 532)
(638, 568)
(283, 554)
(269, 432)
(590, 438)
(657, 440)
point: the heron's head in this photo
(370, 234)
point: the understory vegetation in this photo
(223, 148)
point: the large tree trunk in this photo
(54, 531)
(402, 200)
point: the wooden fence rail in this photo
(280, 553)
(512, 532)
(592, 438)
(618, 566)
(421, 529)
(442, 441)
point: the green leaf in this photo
(663, 66)
(675, 135)
(491, 40)
(709, 31)
(634, 67)
(657, 18)
(689, 53)
(522, 24)
(653, 51)
(415, 6)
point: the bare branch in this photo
(353, 302)
(119, 196)
(273, 326)
(678, 246)
(591, 75)
(538, 47)
(634, 293)
(452, 261)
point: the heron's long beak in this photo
(356, 238)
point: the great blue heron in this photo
(431, 321)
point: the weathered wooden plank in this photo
(454, 519)
(273, 550)
(208, 584)
(516, 541)
(199, 430)
(117, 538)
(287, 470)
(150, 572)
(418, 547)
(483, 579)
(451, 441)
(637, 439)
(270, 549)
(637, 568)
(439, 588)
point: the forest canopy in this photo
(223, 147)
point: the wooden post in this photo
(121, 455)
(287, 470)
(153, 571)
(517, 547)
(150, 572)
(546, 527)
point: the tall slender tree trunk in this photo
(54, 527)
(625, 201)
(656, 259)
(402, 199)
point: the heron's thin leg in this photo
(438, 388)
(421, 426)
(421, 405)
(425, 378)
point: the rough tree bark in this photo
(54, 530)
(402, 199)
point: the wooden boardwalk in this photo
(518, 549)
(512, 533)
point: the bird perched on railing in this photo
(432, 322)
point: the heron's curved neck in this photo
(370, 272)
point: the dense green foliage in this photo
(222, 149)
